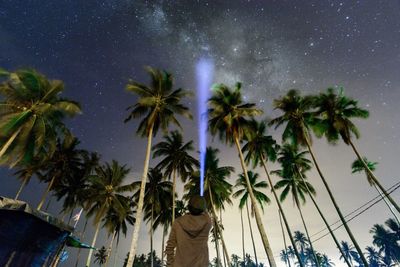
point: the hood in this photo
(194, 225)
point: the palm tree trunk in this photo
(151, 236)
(241, 221)
(24, 182)
(220, 218)
(308, 236)
(282, 213)
(93, 244)
(283, 234)
(219, 230)
(82, 235)
(162, 244)
(325, 221)
(109, 251)
(251, 233)
(336, 205)
(116, 254)
(9, 142)
(46, 192)
(173, 194)
(216, 243)
(260, 225)
(139, 210)
(374, 179)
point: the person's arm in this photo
(170, 248)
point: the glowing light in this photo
(204, 74)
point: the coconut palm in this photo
(373, 256)
(244, 194)
(326, 261)
(295, 162)
(26, 171)
(116, 221)
(31, 116)
(336, 111)
(105, 193)
(64, 165)
(158, 103)
(217, 190)
(358, 166)
(260, 148)
(101, 256)
(299, 119)
(157, 192)
(348, 251)
(298, 187)
(229, 118)
(387, 242)
(176, 160)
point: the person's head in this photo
(197, 205)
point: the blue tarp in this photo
(28, 237)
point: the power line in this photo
(375, 200)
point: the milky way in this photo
(95, 47)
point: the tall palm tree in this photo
(72, 188)
(298, 187)
(26, 171)
(294, 161)
(229, 118)
(260, 148)
(336, 111)
(326, 261)
(302, 243)
(358, 166)
(31, 116)
(105, 193)
(176, 160)
(101, 256)
(244, 194)
(158, 103)
(373, 256)
(157, 192)
(64, 164)
(116, 221)
(217, 190)
(299, 119)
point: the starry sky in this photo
(95, 47)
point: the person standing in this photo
(187, 245)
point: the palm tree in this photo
(326, 261)
(116, 221)
(158, 103)
(387, 242)
(157, 192)
(176, 160)
(298, 187)
(358, 166)
(299, 119)
(72, 188)
(302, 243)
(217, 190)
(105, 193)
(25, 173)
(348, 251)
(260, 148)
(336, 111)
(235, 259)
(244, 194)
(373, 256)
(101, 256)
(229, 118)
(31, 116)
(64, 165)
(285, 257)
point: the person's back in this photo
(187, 245)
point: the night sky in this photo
(95, 47)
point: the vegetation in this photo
(36, 143)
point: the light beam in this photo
(204, 74)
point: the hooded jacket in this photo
(187, 245)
